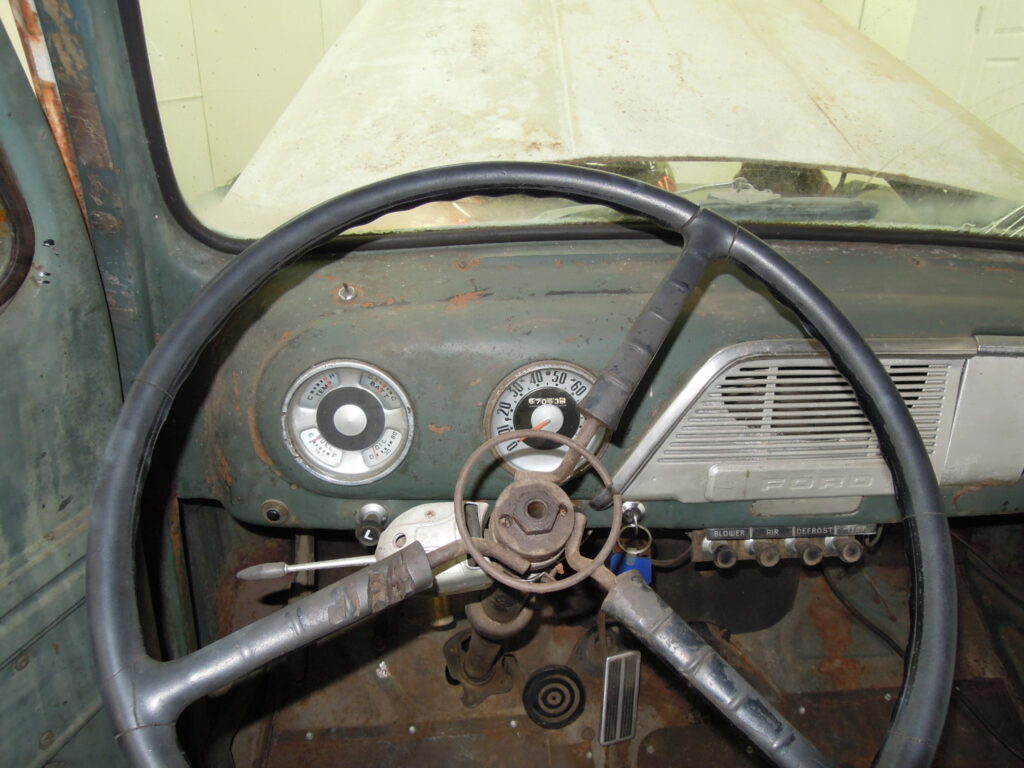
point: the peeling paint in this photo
(463, 300)
(975, 487)
(254, 437)
(41, 69)
(107, 222)
(390, 301)
(224, 470)
(833, 623)
(439, 429)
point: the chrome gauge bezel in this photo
(597, 444)
(290, 433)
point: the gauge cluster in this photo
(349, 423)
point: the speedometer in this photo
(545, 396)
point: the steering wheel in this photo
(145, 696)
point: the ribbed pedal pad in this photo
(621, 690)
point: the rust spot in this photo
(5, 227)
(285, 335)
(68, 54)
(462, 266)
(236, 389)
(224, 470)
(56, 647)
(106, 222)
(474, 382)
(87, 131)
(330, 278)
(558, 262)
(833, 623)
(964, 491)
(177, 541)
(438, 429)
(38, 58)
(97, 190)
(390, 301)
(254, 437)
(975, 487)
(463, 300)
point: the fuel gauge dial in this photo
(347, 422)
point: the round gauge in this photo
(347, 422)
(544, 395)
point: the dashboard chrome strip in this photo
(961, 348)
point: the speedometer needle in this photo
(542, 424)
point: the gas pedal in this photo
(621, 691)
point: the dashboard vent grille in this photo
(801, 408)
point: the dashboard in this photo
(368, 377)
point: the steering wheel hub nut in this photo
(534, 518)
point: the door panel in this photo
(59, 393)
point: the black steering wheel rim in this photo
(115, 628)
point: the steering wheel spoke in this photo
(638, 608)
(162, 690)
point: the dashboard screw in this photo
(45, 739)
(346, 292)
(21, 661)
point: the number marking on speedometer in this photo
(542, 396)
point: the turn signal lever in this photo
(432, 525)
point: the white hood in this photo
(417, 83)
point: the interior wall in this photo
(220, 93)
(971, 50)
(7, 21)
(888, 22)
(981, 61)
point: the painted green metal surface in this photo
(150, 268)
(6, 240)
(60, 394)
(450, 322)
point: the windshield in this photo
(768, 112)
